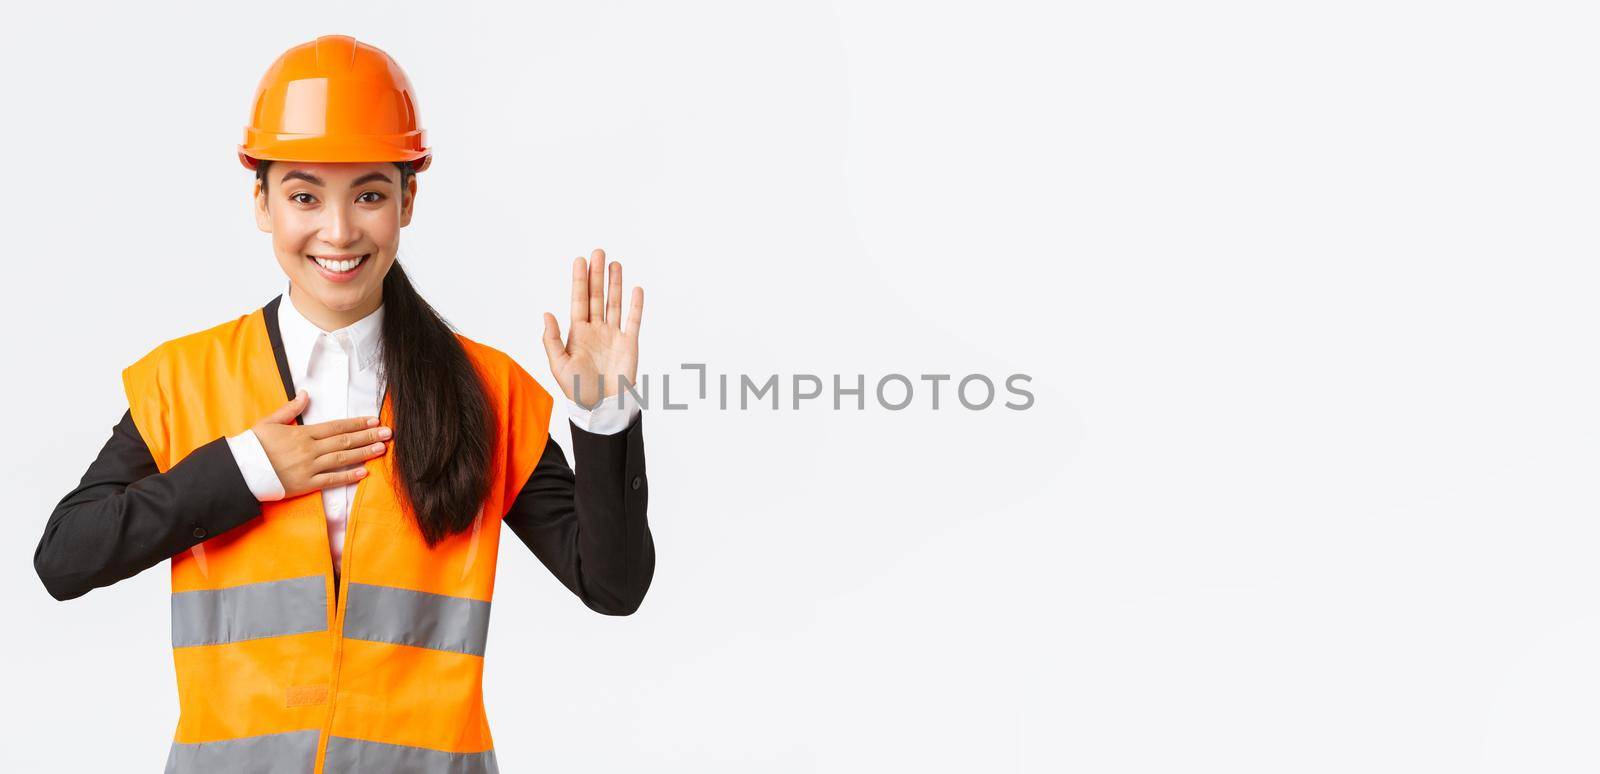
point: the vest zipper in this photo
(342, 589)
(342, 595)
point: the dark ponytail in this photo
(440, 405)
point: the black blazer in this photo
(589, 529)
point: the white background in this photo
(1307, 291)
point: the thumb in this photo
(287, 412)
(553, 348)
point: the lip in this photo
(346, 276)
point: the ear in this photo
(259, 198)
(408, 200)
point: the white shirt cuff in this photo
(606, 418)
(256, 467)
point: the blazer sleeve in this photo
(589, 527)
(124, 516)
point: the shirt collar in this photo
(301, 337)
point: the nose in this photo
(338, 229)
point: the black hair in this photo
(440, 404)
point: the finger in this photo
(285, 414)
(335, 427)
(553, 348)
(342, 459)
(635, 311)
(614, 296)
(339, 478)
(580, 292)
(356, 440)
(597, 286)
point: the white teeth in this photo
(339, 266)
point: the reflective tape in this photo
(248, 612)
(294, 752)
(417, 618)
(361, 755)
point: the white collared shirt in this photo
(342, 374)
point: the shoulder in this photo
(523, 405)
(216, 341)
(501, 371)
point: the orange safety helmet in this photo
(335, 99)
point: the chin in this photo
(336, 299)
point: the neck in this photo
(332, 319)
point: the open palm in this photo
(598, 348)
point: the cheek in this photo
(291, 231)
(383, 226)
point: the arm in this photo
(124, 516)
(589, 529)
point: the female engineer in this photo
(328, 474)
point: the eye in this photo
(295, 197)
(376, 197)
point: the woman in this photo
(328, 473)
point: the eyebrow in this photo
(295, 174)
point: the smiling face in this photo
(335, 229)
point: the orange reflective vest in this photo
(277, 672)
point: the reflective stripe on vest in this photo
(358, 755)
(298, 605)
(416, 618)
(250, 611)
(294, 752)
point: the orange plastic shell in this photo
(335, 99)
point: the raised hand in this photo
(308, 457)
(598, 346)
